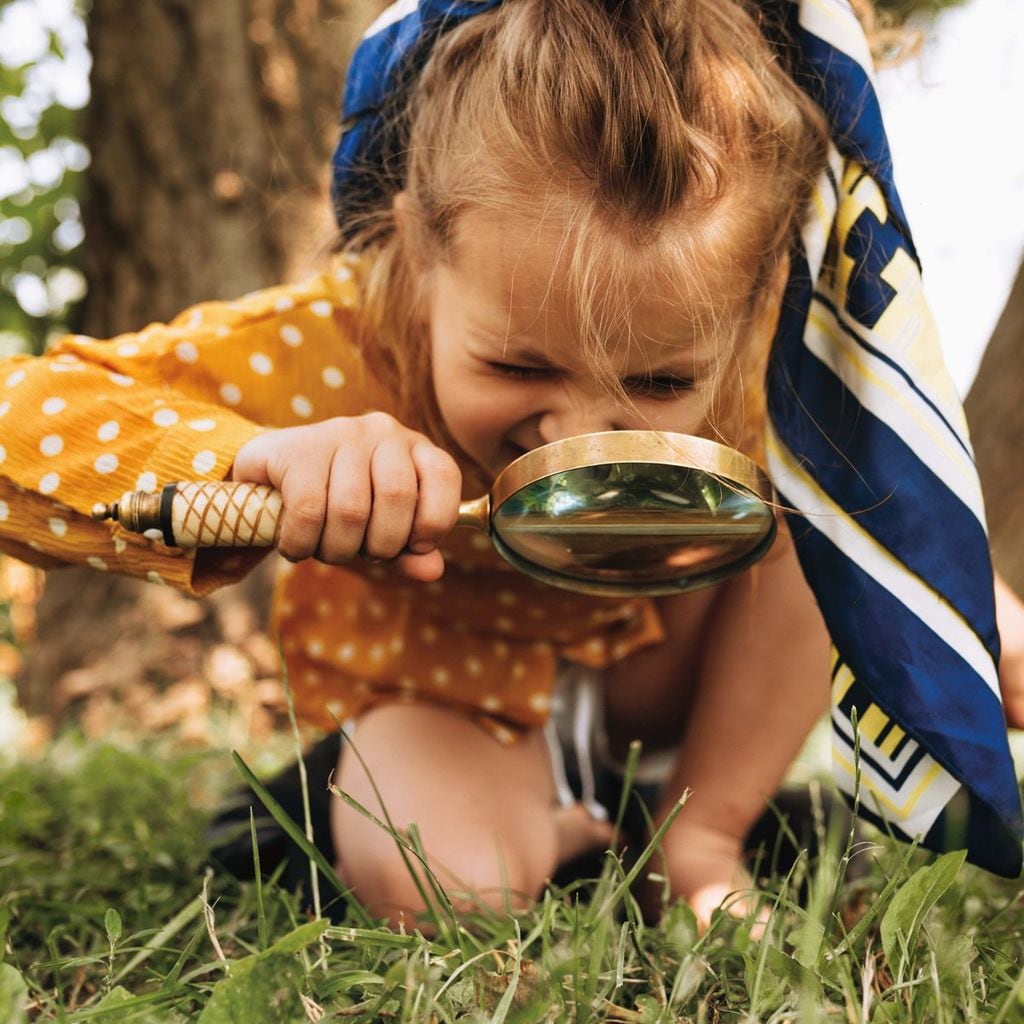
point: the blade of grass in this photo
(644, 857)
(383, 937)
(171, 978)
(261, 910)
(628, 774)
(875, 909)
(314, 879)
(187, 913)
(501, 1010)
(280, 816)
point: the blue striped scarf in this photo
(866, 439)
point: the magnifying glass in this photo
(624, 512)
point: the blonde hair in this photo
(651, 116)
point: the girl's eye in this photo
(519, 372)
(663, 386)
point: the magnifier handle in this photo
(201, 514)
(222, 514)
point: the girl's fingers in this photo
(422, 568)
(250, 463)
(303, 490)
(349, 498)
(440, 490)
(709, 898)
(393, 477)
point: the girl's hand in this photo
(705, 867)
(358, 485)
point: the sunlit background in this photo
(953, 115)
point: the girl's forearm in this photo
(762, 685)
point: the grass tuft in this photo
(102, 872)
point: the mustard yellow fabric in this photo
(91, 419)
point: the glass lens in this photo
(634, 525)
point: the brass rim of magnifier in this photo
(661, 447)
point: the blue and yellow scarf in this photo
(866, 439)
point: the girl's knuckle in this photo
(349, 514)
(306, 514)
(380, 422)
(439, 463)
(394, 492)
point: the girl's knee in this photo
(474, 869)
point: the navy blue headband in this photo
(866, 439)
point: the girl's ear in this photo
(402, 212)
(401, 208)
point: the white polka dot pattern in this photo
(204, 462)
(165, 417)
(332, 377)
(178, 402)
(187, 352)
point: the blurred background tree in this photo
(43, 88)
(195, 163)
(209, 127)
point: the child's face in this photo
(507, 369)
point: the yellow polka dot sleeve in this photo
(92, 419)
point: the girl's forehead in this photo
(536, 276)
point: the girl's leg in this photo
(486, 813)
(1010, 617)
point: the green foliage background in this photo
(40, 226)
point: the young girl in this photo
(558, 217)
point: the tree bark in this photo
(995, 412)
(210, 128)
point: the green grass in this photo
(102, 875)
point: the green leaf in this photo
(112, 922)
(914, 899)
(265, 993)
(264, 988)
(13, 995)
(301, 937)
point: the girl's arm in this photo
(762, 684)
(91, 419)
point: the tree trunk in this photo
(210, 128)
(995, 412)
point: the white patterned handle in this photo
(217, 514)
(205, 514)
(225, 515)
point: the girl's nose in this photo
(578, 414)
